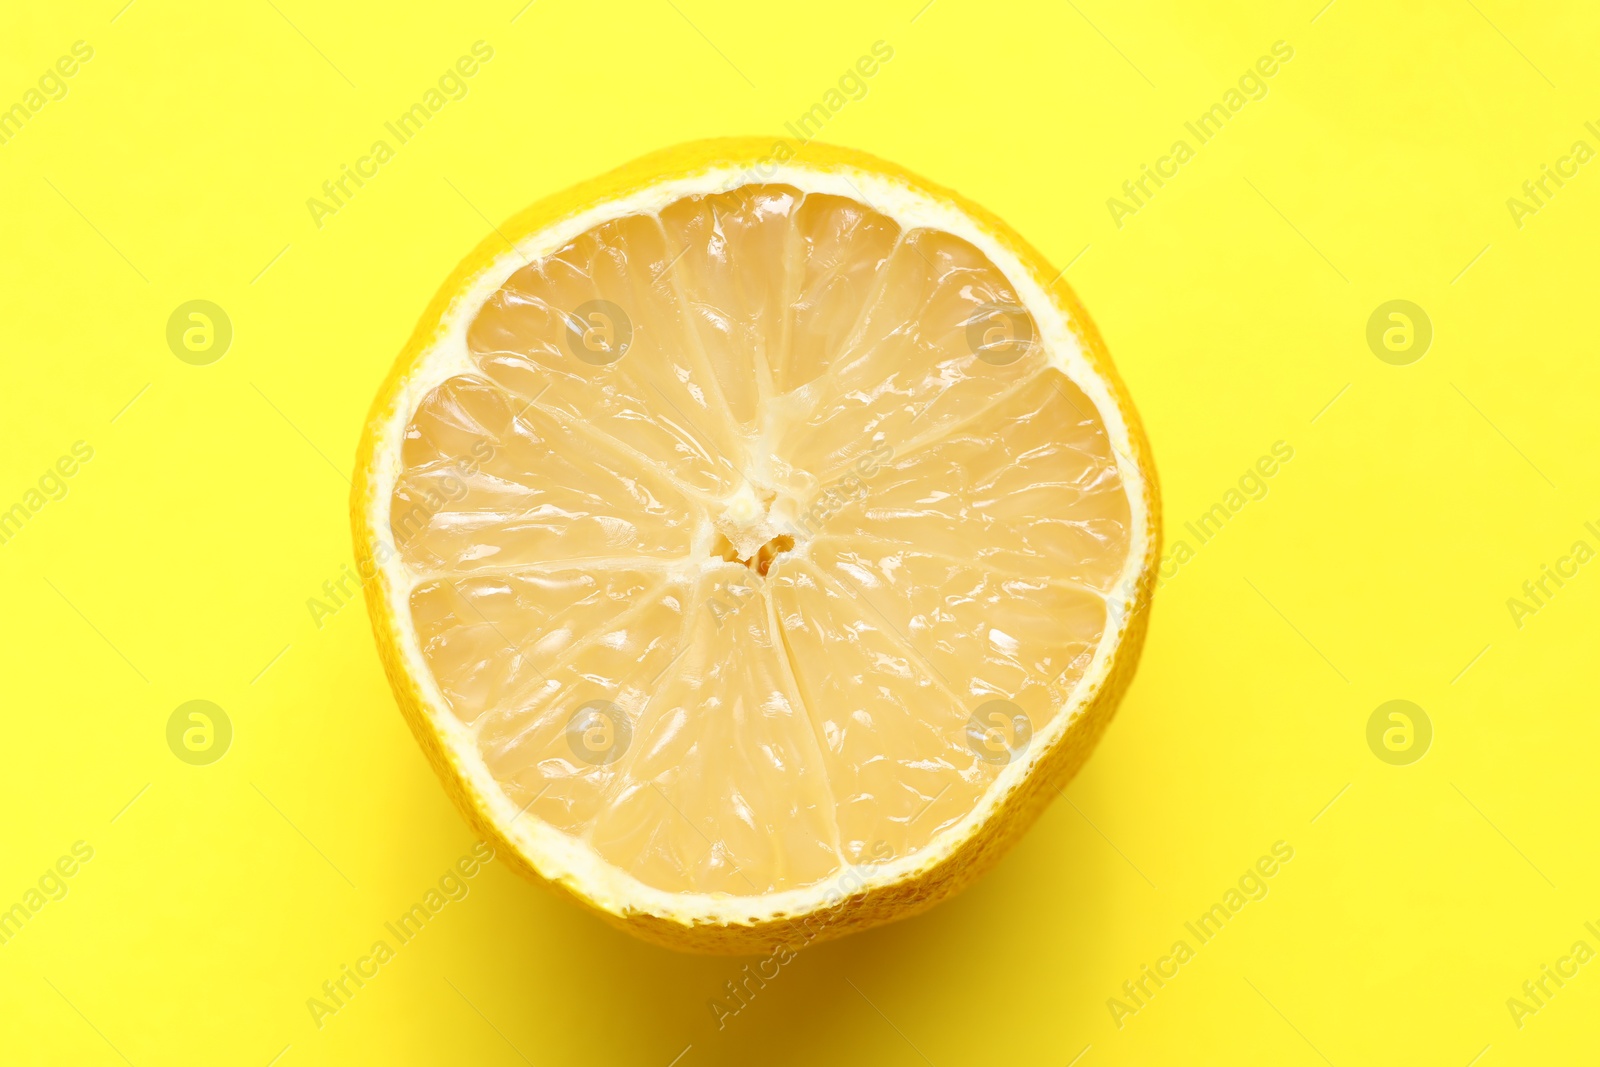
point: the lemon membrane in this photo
(766, 498)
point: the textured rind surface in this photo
(1011, 815)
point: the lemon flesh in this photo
(756, 535)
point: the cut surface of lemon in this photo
(755, 541)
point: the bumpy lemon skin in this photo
(1009, 818)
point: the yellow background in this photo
(1378, 567)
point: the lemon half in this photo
(754, 537)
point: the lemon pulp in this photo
(750, 514)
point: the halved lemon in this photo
(755, 536)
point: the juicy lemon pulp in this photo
(760, 538)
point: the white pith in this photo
(565, 859)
